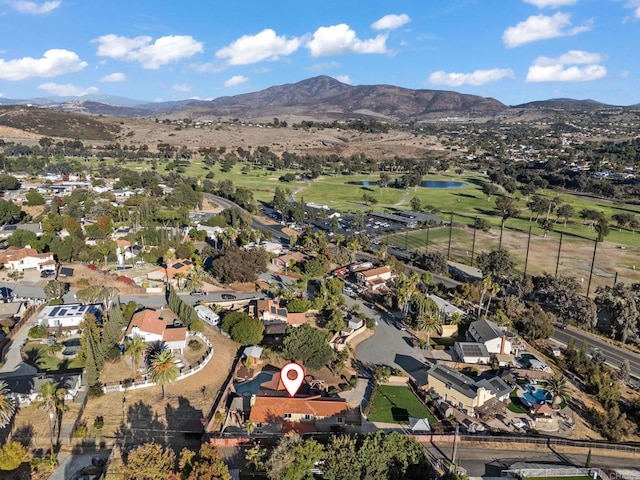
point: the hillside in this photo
(51, 123)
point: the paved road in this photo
(256, 222)
(71, 463)
(389, 345)
(477, 459)
(614, 355)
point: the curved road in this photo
(614, 355)
(256, 222)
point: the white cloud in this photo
(54, 62)
(551, 3)
(389, 22)
(114, 77)
(344, 79)
(545, 69)
(541, 27)
(170, 48)
(558, 73)
(571, 57)
(323, 66)
(635, 5)
(66, 89)
(181, 87)
(34, 8)
(265, 45)
(235, 81)
(477, 77)
(625, 74)
(339, 39)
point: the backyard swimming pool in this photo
(252, 386)
(533, 395)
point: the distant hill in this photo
(326, 97)
(565, 104)
(48, 122)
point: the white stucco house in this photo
(490, 335)
(27, 258)
(67, 317)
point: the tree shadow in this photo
(400, 414)
(184, 420)
(408, 363)
(141, 425)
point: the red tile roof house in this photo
(375, 278)
(304, 415)
(149, 325)
(184, 266)
(270, 311)
(26, 258)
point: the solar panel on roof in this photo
(63, 311)
(282, 312)
(177, 265)
(10, 228)
(55, 311)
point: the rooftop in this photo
(486, 329)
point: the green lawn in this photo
(37, 355)
(396, 405)
(516, 405)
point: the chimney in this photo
(502, 343)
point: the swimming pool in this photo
(253, 385)
(533, 395)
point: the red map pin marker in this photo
(292, 376)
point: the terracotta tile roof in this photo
(174, 334)
(147, 320)
(376, 271)
(13, 254)
(273, 384)
(266, 410)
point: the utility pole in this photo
(473, 243)
(450, 233)
(455, 445)
(526, 259)
(501, 232)
(426, 248)
(559, 249)
(593, 261)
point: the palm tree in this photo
(162, 368)
(104, 249)
(494, 288)
(51, 398)
(430, 324)
(7, 405)
(180, 276)
(134, 348)
(354, 245)
(557, 386)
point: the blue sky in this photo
(512, 50)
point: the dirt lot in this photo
(149, 417)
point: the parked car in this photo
(197, 293)
(401, 326)
(47, 273)
(90, 472)
(228, 296)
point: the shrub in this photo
(113, 354)
(194, 345)
(98, 422)
(196, 325)
(80, 431)
(56, 301)
(83, 282)
(11, 455)
(95, 391)
(38, 331)
(370, 323)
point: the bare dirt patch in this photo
(142, 415)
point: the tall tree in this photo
(135, 347)
(162, 369)
(557, 386)
(7, 405)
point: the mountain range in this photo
(319, 98)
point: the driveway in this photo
(389, 346)
(71, 463)
(13, 364)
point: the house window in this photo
(259, 425)
(340, 420)
(460, 405)
(308, 417)
(287, 416)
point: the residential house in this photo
(488, 333)
(7, 230)
(68, 316)
(284, 262)
(177, 267)
(25, 389)
(269, 247)
(471, 352)
(149, 325)
(304, 415)
(375, 278)
(213, 233)
(270, 311)
(463, 392)
(26, 258)
(445, 307)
